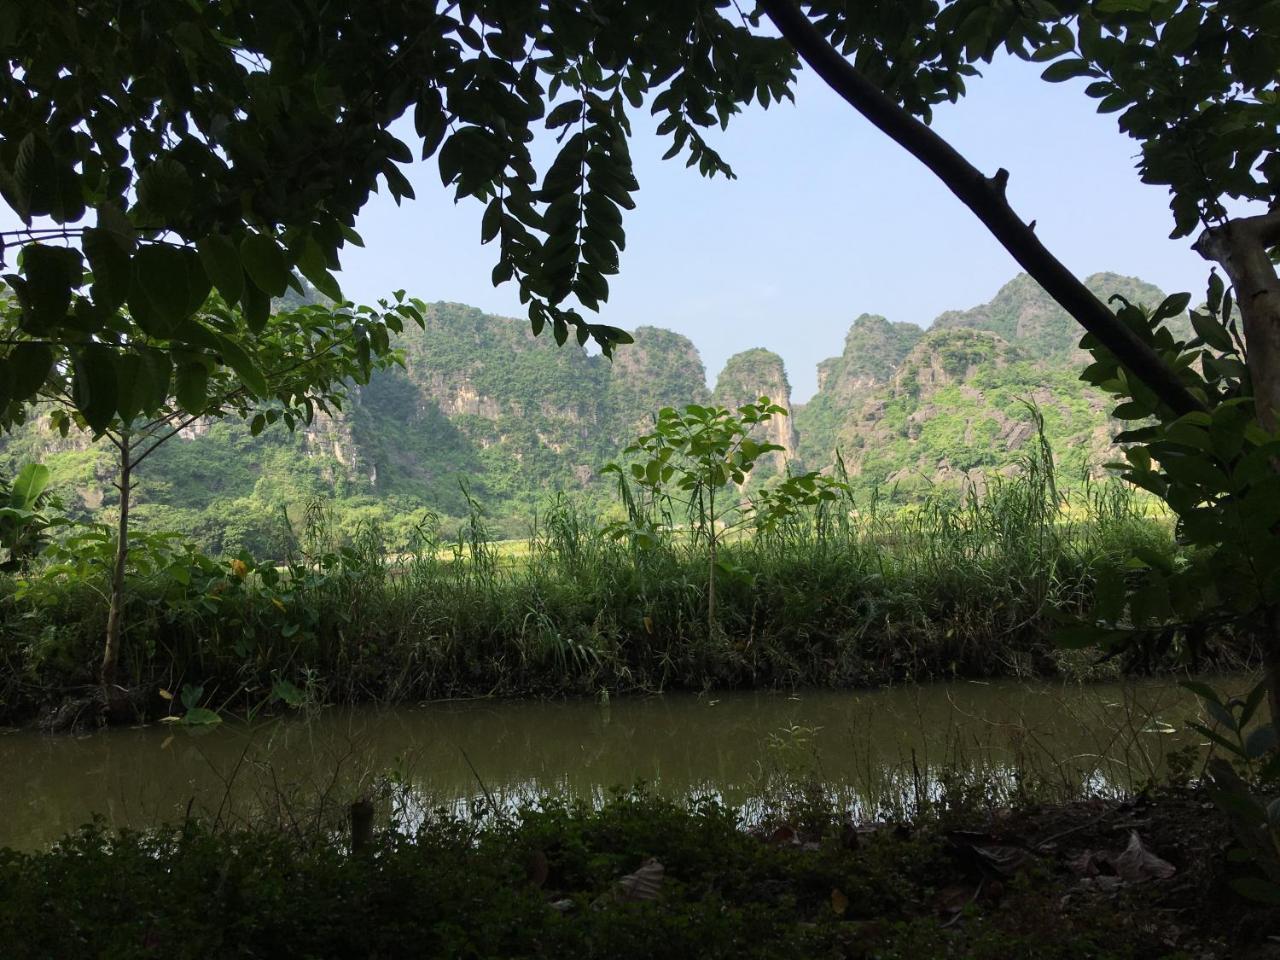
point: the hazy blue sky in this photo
(827, 219)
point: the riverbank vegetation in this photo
(828, 592)
(644, 877)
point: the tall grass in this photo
(843, 593)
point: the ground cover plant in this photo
(644, 877)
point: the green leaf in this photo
(192, 387)
(282, 689)
(108, 254)
(1211, 332)
(1257, 890)
(155, 370)
(1216, 289)
(1132, 410)
(1202, 690)
(131, 386)
(30, 364)
(1066, 70)
(164, 188)
(51, 273)
(1171, 306)
(30, 482)
(1219, 739)
(161, 294)
(1253, 701)
(93, 384)
(200, 716)
(566, 113)
(257, 308)
(265, 263)
(221, 262)
(313, 266)
(238, 360)
(43, 184)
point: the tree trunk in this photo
(1240, 247)
(1271, 663)
(711, 568)
(115, 615)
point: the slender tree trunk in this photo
(1240, 248)
(115, 616)
(1271, 662)
(711, 563)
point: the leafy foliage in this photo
(550, 876)
(257, 135)
(830, 592)
(1214, 470)
(27, 514)
(1193, 82)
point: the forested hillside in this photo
(481, 401)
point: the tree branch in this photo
(985, 197)
(158, 442)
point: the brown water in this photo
(869, 746)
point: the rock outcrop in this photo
(746, 377)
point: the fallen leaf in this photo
(1005, 861)
(1137, 863)
(839, 902)
(644, 884)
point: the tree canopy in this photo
(225, 145)
(173, 149)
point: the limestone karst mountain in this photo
(483, 404)
(747, 377)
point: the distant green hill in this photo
(483, 402)
(910, 409)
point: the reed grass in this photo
(844, 593)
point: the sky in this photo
(826, 220)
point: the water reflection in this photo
(872, 747)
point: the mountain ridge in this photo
(485, 410)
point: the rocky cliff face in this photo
(746, 377)
(873, 349)
(481, 398)
(909, 408)
(958, 408)
(661, 369)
